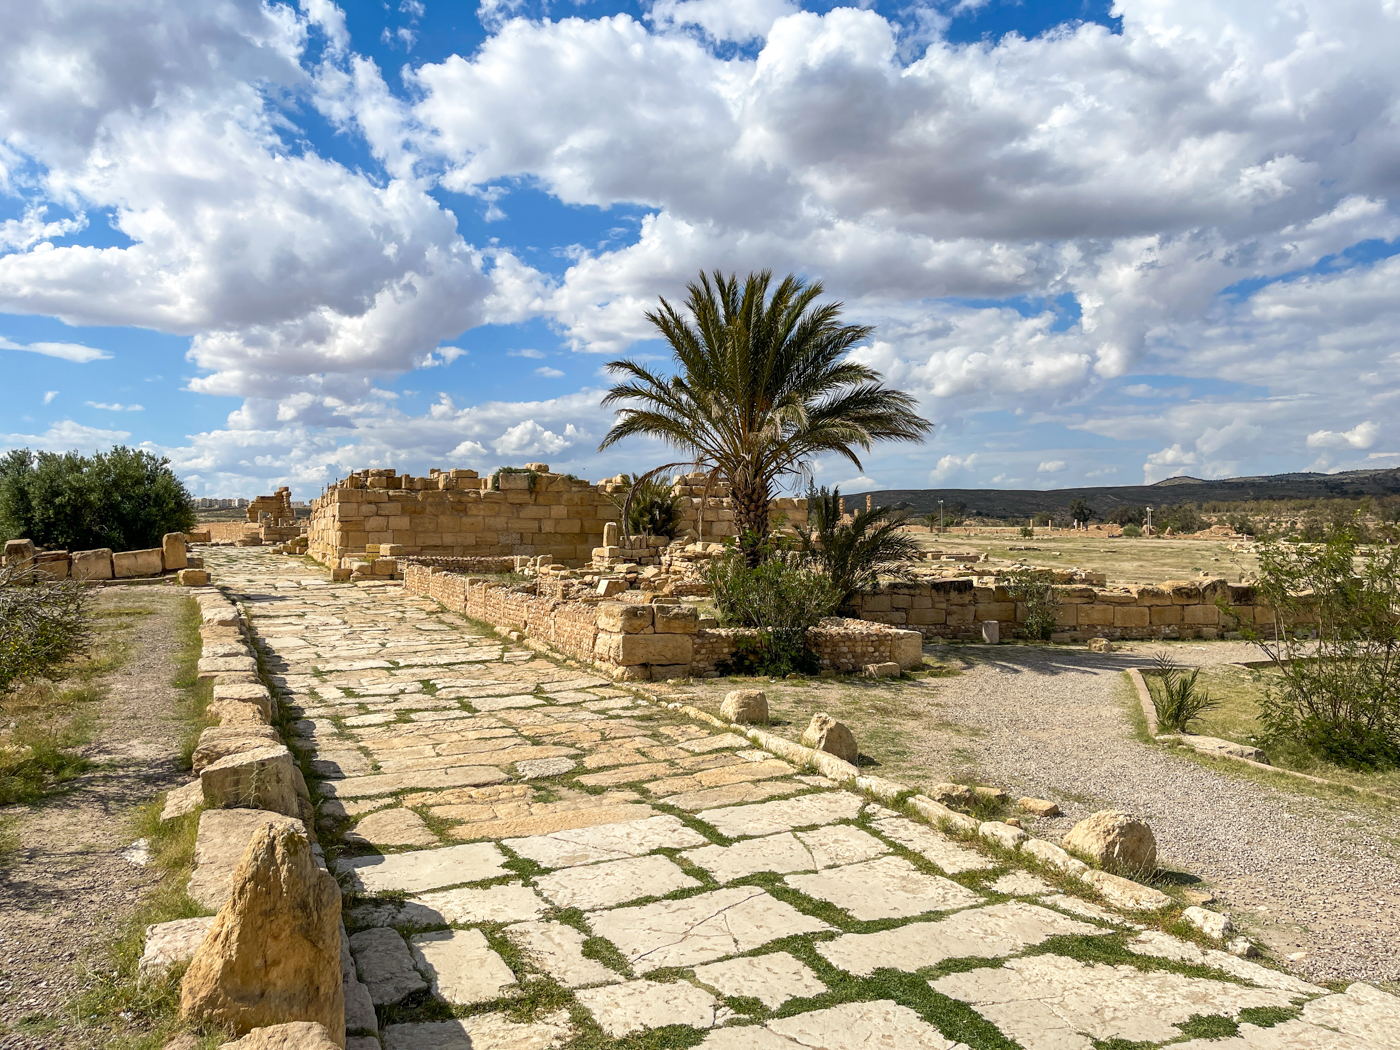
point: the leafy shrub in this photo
(1128, 515)
(1132, 531)
(855, 555)
(652, 511)
(1180, 518)
(1035, 589)
(42, 625)
(1177, 699)
(1027, 533)
(783, 597)
(1339, 696)
(126, 499)
(1080, 510)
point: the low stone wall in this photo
(957, 608)
(103, 563)
(647, 639)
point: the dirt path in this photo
(67, 887)
(1300, 874)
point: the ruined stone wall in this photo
(643, 640)
(457, 514)
(1206, 608)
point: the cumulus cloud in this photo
(64, 436)
(66, 351)
(1363, 435)
(1050, 466)
(549, 373)
(115, 406)
(49, 395)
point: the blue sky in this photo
(1101, 244)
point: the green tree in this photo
(855, 555)
(126, 499)
(1080, 510)
(649, 509)
(763, 386)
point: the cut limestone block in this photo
(273, 952)
(246, 693)
(182, 800)
(824, 733)
(91, 565)
(262, 778)
(171, 943)
(193, 577)
(461, 967)
(386, 965)
(218, 742)
(749, 706)
(172, 551)
(295, 1035)
(128, 564)
(219, 845)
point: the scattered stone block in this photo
(991, 632)
(259, 778)
(1211, 923)
(193, 578)
(608, 588)
(386, 965)
(19, 554)
(1100, 645)
(272, 954)
(888, 669)
(172, 552)
(295, 1035)
(1053, 856)
(169, 944)
(91, 565)
(1115, 841)
(130, 564)
(1125, 893)
(1039, 807)
(461, 967)
(958, 796)
(746, 706)
(181, 800)
(1002, 834)
(824, 733)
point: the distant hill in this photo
(1022, 503)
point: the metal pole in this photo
(940, 516)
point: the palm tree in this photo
(764, 386)
(856, 554)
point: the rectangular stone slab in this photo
(887, 888)
(766, 818)
(632, 838)
(613, 882)
(557, 949)
(460, 965)
(423, 869)
(421, 780)
(219, 845)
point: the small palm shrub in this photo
(782, 597)
(651, 509)
(855, 555)
(1178, 700)
(1035, 589)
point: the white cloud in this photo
(49, 395)
(734, 20)
(527, 352)
(115, 406)
(75, 352)
(1363, 435)
(528, 438)
(1050, 466)
(65, 436)
(549, 373)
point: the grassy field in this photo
(1238, 691)
(1124, 561)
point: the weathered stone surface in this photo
(986, 933)
(220, 842)
(1048, 1001)
(359, 1007)
(635, 1006)
(731, 794)
(784, 815)
(391, 827)
(533, 768)
(850, 1026)
(932, 845)
(91, 565)
(779, 853)
(337, 765)
(273, 952)
(1003, 835)
(1039, 807)
(1021, 884)
(700, 929)
(461, 966)
(1052, 855)
(1115, 841)
(1154, 942)
(677, 619)
(1125, 893)
(557, 949)
(746, 706)
(193, 577)
(606, 842)
(218, 742)
(172, 551)
(259, 778)
(246, 693)
(423, 780)
(386, 965)
(887, 888)
(548, 823)
(511, 902)
(482, 1032)
(772, 979)
(839, 844)
(824, 733)
(1212, 745)
(171, 943)
(613, 882)
(235, 713)
(1363, 1012)
(294, 1035)
(624, 617)
(126, 564)
(181, 800)
(1211, 923)
(423, 869)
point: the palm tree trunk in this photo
(751, 518)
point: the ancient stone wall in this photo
(646, 638)
(526, 512)
(1204, 608)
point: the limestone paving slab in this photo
(1154, 942)
(391, 827)
(985, 933)
(1049, 1002)
(700, 929)
(772, 979)
(482, 1032)
(881, 1023)
(933, 845)
(886, 888)
(460, 966)
(423, 869)
(557, 949)
(1021, 884)
(840, 844)
(422, 780)
(621, 1009)
(632, 838)
(767, 818)
(386, 965)
(610, 883)
(777, 853)
(511, 902)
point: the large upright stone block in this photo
(92, 565)
(172, 547)
(258, 778)
(273, 953)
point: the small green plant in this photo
(1178, 700)
(1035, 589)
(650, 508)
(857, 553)
(1027, 533)
(782, 597)
(43, 625)
(1132, 531)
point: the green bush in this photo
(1340, 695)
(1034, 588)
(1177, 699)
(652, 511)
(855, 554)
(126, 499)
(42, 625)
(1027, 533)
(782, 597)
(1132, 531)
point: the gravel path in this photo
(1299, 873)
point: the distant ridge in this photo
(1022, 503)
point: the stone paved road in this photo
(533, 858)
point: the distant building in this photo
(216, 503)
